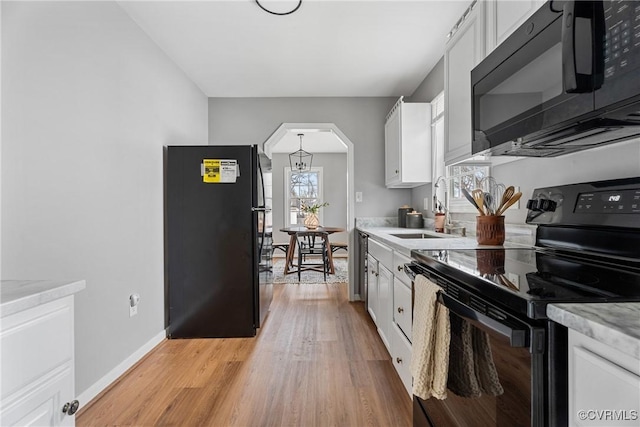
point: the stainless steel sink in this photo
(416, 236)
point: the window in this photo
(464, 175)
(437, 136)
(301, 188)
(468, 176)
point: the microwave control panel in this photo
(622, 37)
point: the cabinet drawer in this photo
(34, 342)
(399, 261)
(402, 307)
(401, 355)
(382, 253)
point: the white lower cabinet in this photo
(38, 365)
(372, 288)
(389, 304)
(604, 384)
(402, 306)
(401, 355)
(385, 304)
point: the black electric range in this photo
(587, 249)
(526, 280)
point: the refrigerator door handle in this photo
(260, 209)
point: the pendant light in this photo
(300, 160)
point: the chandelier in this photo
(300, 160)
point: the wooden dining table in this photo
(291, 231)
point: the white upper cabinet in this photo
(485, 25)
(464, 50)
(407, 137)
(503, 17)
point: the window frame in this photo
(461, 204)
(287, 199)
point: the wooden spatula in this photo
(511, 201)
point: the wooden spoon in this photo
(508, 193)
(478, 196)
(511, 201)
(466, 194)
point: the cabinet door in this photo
(505, 16)
(42, 405)
(401, 357)
(385, 304)
(392, 136)
(602, 381)
(464, 51)
(372, 289)
(402, 307)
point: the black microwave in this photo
(568, 79)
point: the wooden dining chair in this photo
(311, 246)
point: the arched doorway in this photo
(294, 128)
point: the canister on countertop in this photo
(402, 215)
(414, 220)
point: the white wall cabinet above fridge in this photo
(407, 136)
(485, 25)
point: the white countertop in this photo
(439, 241)
(18, 295)
(614, 324)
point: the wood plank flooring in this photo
(317, 361)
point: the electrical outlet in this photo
(134, 299)
(426, 204)
(358, 196)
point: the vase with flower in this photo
(311, 220)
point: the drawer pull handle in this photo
(71, 408)
(398, 360)
(376, 274)
(400, 310)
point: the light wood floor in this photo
(318, 361)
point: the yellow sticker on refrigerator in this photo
(219, 171)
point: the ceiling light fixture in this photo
(300, 160)
(280, 13)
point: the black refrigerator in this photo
(218, 266)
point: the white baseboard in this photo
(87, 396)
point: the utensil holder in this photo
(490, 261)
(490, 230)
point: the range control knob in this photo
(543, 205)
(547, 205)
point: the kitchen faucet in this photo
(446, 197)
(448, 226)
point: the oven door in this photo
(540, 79)
(495, 378)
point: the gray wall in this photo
(620, 160)
(88, 102)
(253, 120)
(334, 173)
(430, 87)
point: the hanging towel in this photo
(462, 370)
(472, 371)
(430, 340)
(484, 366)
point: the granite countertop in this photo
(18, 295)
(439, 240)
(613, 324)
